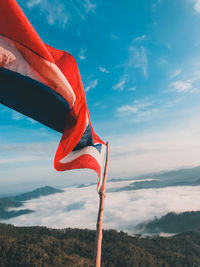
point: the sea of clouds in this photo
(78, 207)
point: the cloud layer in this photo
(78, 207)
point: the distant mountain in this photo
(172, 223)
(183, 177)
(85, 185)
(115, 180)
(41, 246)
(18, 201)
(5, 215)
(40, 192)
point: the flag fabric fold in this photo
(45, 84)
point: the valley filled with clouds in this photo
(126, 206)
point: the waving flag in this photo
(45, 84)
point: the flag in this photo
(44, 83)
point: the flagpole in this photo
(101, 210)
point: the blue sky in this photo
(139, 61)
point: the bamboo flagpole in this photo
(101, 210)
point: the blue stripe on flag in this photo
(86, 139)
(33, 99)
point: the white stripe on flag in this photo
(15, 61)
(89, 150)
(32, 65)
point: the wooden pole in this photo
(101, 210)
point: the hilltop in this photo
(41, 246)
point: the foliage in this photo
(41, 246)
(173, 223)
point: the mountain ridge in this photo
(18, 201)
(181, 177)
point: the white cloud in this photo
(142, 103)
(54, 11)
(17, 116)
(182, 86)
(138, 59)
(31, 121)
(104, 70)
(82, 53)
(89, 6)
(197, 6)
(132, 88)
(138, 107)
(175, 73)
(127, 108)
(140, 38)
(33, 3)
(59, 12)
(78, 207)
(120, 85)
(91, 85)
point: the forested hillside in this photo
(172, 223)
(40, 246)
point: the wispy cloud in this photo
(175, 73)
(135, 64)
(127, 109)
(92, 84)
(82, 53)
(104, 70)
(33, 3)
(138, 59)
(182, 86)
(197, 6)
(58, 12)
(140, 38)
(132, 88)
(120, 85)
(31, 121)
(17, 116)
(89, 6)
(54, 11)
(185, 87)
(137, 106)
(185, 80)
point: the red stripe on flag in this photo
(15, 25)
